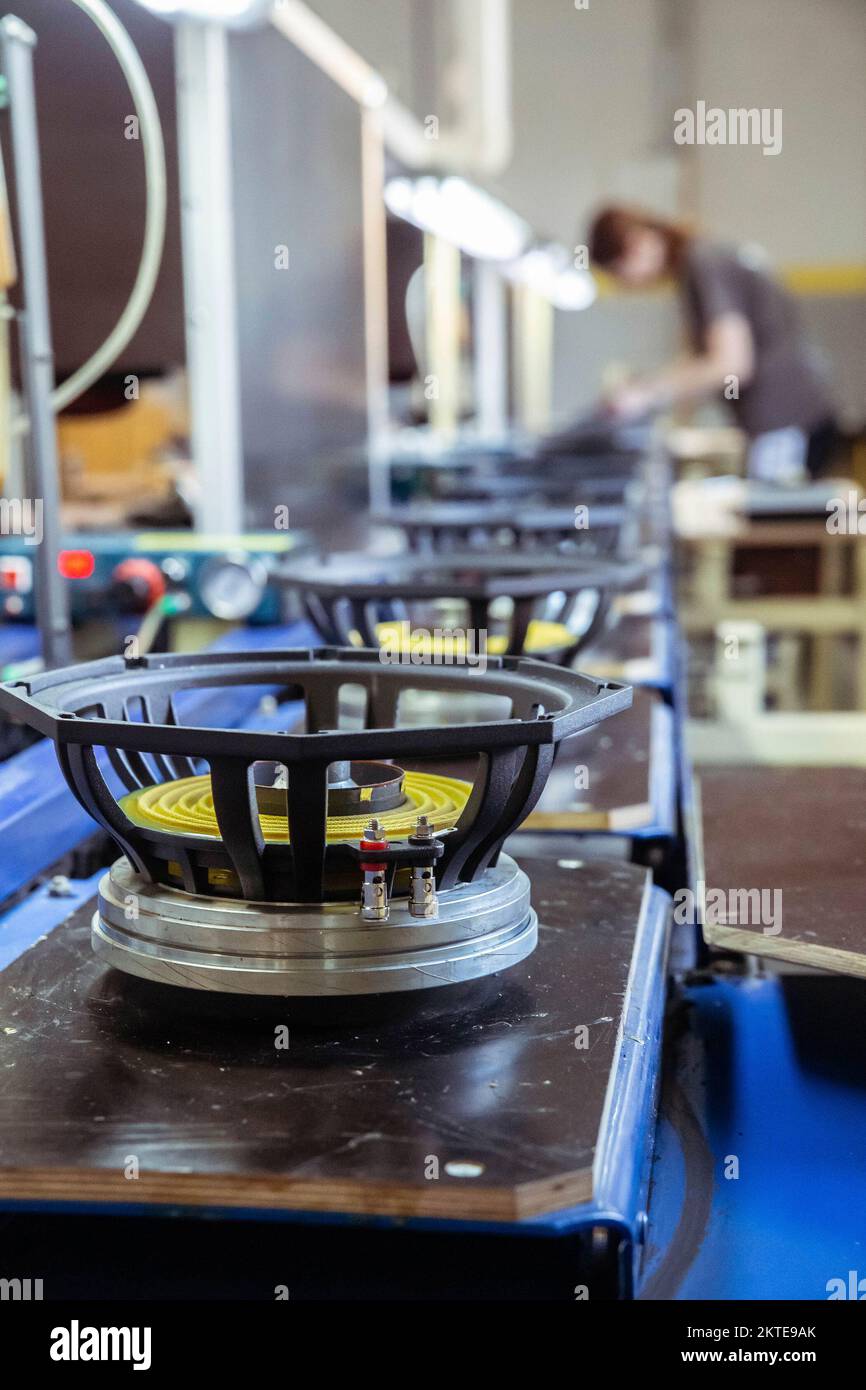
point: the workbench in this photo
(486, 1116)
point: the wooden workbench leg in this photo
(831, 575)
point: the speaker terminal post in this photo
(376, 855)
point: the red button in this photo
(76, 564)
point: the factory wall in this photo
(807, 206)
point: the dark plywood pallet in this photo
(633, 648)
(624, 758)
(98, 1067)
(621, 760)
(801, 830)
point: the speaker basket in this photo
(117, 732)
(348, 596)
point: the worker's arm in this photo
(729, 352)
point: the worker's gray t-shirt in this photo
(786, 388)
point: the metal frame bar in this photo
(37, 354)
(207, 231)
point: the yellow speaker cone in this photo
(186, 807)
(541, 636)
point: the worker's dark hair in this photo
(612, 227)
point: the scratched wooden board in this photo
(617, 760)
(798, 831)
(98, 1069)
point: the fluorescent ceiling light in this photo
(549, 271)
(459, 213)
(226, 10)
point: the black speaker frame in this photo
(349, 593)
(89, 707)
(444, 526)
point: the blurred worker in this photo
(746, 342)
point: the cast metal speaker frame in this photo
(562, 469)
(127, 707)
(539, 487)
(347, 596)
(444, 526)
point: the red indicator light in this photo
(76, 564)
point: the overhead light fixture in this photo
(459, 213)
(549, 271)
(225, 11)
